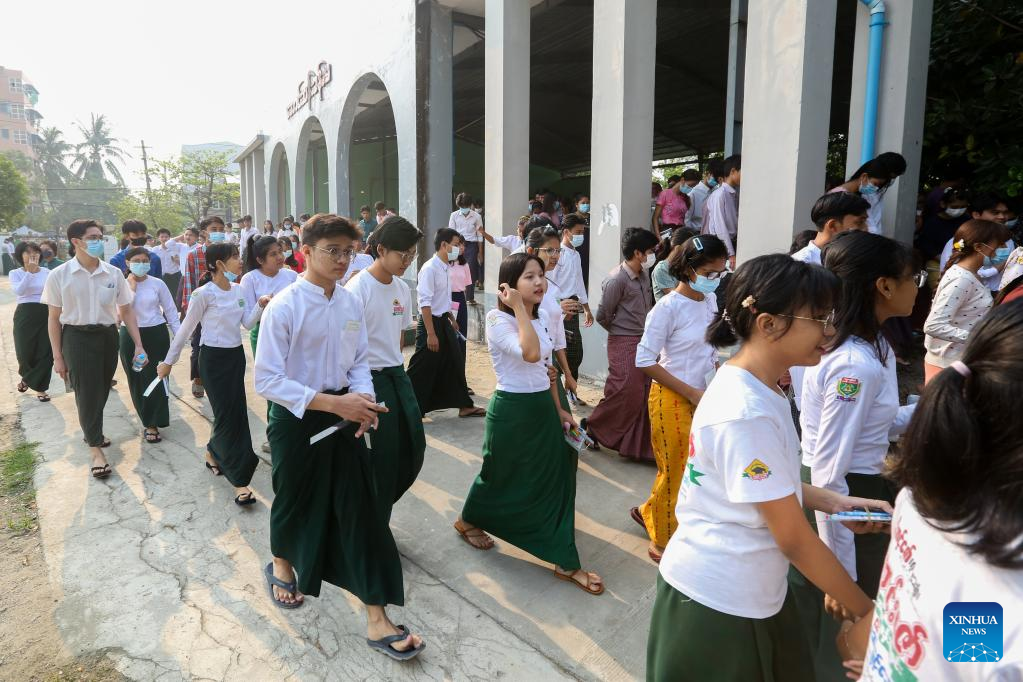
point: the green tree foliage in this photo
(96, 155)
(13, 194)
(975, 91)
(200, 182)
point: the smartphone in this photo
(874, 515)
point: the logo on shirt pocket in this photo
(972, 632)
(756, 471)
(847, 389)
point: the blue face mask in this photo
(94, 247)
(139, 269)
(584, 208)
(1001, 255)
(578, 239)
(704, 285)
(230, 276)
(685, 189)
(712, 182)
(463, 211)
(868, 188)
(217, 237)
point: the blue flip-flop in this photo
(272, 580)
(383, 645)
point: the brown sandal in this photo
(654, 553)
(570, 577)
(467, 535)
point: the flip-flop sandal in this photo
(272, 580)
(383, 645)
(464, 533)
(637, 517)
(101, 472)
(198, 391)
(152, 436)
(22, 387)
(570, 577)
(104, 444)
(477, 412)
(43, 398)
(245, 499)
(214, 469)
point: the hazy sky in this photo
(176, 73)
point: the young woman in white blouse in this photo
(155, 311)
(962, 299)
(219, 306)
(265, 275)
(31, 342)
(722, 610)
(850, 413)
(675, 354)
(955, 533)
(525, 491)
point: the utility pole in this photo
(149, 187)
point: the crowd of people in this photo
(806, 523)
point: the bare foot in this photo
(473, 535)
(284, 573)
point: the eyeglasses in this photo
(407, 257)
(337, 254)
(711, 275)
(551, 252)
(827, 322)
(920, 279)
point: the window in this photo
(15, 84)
(20, 137)
(17, 111)
(5, 134)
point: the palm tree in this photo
(52, 155)
(98, 151)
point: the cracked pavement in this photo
(159, 568)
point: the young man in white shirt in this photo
(329, 521)
(467, 223)
(721, 212)
(832, 214)
(568, 273)
(86, 296)
(172, 256)
(437, 369)
(247, 232)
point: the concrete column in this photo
(789, 54)
(506, 131)
(438, 132)
(259, 213)
(243, 185)
(736, 76)
(901, 103)
(624, 42)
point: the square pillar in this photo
(435, 120)
(789, 54)
(243, 184)
(258, 187)
(736, 76)
(621, 142)
(901, 103)
(506, 126)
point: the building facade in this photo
(19, 118)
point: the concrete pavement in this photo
(158, 566)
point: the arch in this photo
(367, 147)
(312, 172)
(279, 188)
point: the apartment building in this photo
(19, 118)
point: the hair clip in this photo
(748, 302)
(697, 243)
(958, 246)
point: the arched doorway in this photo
(312, 169)
(371, 146)
(280, 185)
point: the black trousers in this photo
(91, 355)
(193, 361)
(472, 251)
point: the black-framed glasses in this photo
(827, 322)
(337, 254)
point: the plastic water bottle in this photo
(139, 362)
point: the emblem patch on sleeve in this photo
(847, 389)
(756, 471)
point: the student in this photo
(265, 276)
(988, 207)
(382, 212)
(582, 209)
(332, 499)
(287, 227)
(722, 585)
(247, 231)
(957, 519)
(360, 261)
(871, 181)
(801, 240)
(961, 299)
(31, 341)
(436, 369)
(172, 255)
(569, 275)
(672, 205)
(850, 413)
(721, 211)
(525, 491)
(8, 255)
(620, 421)
(508, 242)
(194, 269)
(939, 227)
(135, 232)
(461, 278)
(155, 312)
(661, 280)
(218, 306)
(86, 296)
(833, 214)
(366, 222)
(675, 355)
(288, 254)
(49, 258)
(467, 223)
(698, 195)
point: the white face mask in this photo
(650, 260)
(453, 254)
(955, 212)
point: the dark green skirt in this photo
(32, 345)
(253, 339)
(154, 410)
(690, 641)
(525, 492)
(399, 441)
(222, 371)
(331, 508)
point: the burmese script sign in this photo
(307, 89)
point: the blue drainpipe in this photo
(877, 23)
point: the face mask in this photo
(685, 189)
(1008, 223)
(287, 254)
(139, 241)
(704, 285)
(230, 276)
(453, 254)
(94, 247)
(650, 260)
(712, 182)
(868, 189)
(463, 211)
(578, 239)
(584, 208)
(287, 226)
(955, 212)
(139, 269)
(1001, 255)
(217, 237)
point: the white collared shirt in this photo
(569, 274)
(721, 216)
(309, 343)
(811, 253)
(154, 305)
(434, 286)
(698, 198)
(243, 238)
(551, 302)
(221, 312)
(514, 374)
(509, 242)
(387, 309)
(675, 331)
(172, 256)
(28, 286)
(466, 225)
(84, 297)
(255, 284)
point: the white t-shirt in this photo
(850, 414)
(388, 310)
(359, 262)
(676, 330)
(811, 253)
(743, 449)
(925, 570)
(514, 374)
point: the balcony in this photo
(31, 93)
